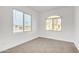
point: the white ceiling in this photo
(44, 8)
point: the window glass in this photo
(21, 21)
(27, 22)
(17, 21)
(53, 23)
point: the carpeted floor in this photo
(44, 45)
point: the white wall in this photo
(67, 16)
(69, 31)
(9, 39)
(77, 26)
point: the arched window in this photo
(53, 23)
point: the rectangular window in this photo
(17, 21)
(53, 23)
(27, 22)
(49, 24)
(21, 21)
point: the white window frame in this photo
(23, 21)
(51, 25)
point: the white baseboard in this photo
(17, 44)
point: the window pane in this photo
(27, 22)
(59, 24)
(49, 24)
(53, 23)
(17, 21)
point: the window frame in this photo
(23, 20)
(53, 25)
(31, 22)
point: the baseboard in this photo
(36, 38)
(17, 44)
(76, 46)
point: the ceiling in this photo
(44, 8)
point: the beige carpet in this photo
(44, 45)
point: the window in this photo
(27, 22)
(21, 21)
(53, 23)
(17, 21)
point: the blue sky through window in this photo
(27, 19)
(20, 21)
(17, 17)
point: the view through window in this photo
(53, 23)
(21, 21)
